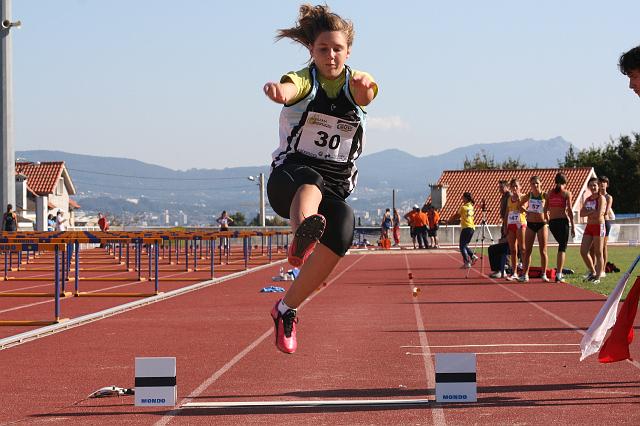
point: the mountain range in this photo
(120, 184)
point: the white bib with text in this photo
(535, 206)
(327, 138)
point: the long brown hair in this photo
(314, 20)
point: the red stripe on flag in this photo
(616, 347)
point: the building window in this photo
(60, 187)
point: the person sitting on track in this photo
(322, 126)
(559, 202)
(536, 202)
(516, 224)
(594, 209)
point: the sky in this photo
(179, 83)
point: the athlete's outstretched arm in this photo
(280, 92)
(363, 89)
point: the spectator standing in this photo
(593, 209)
(411, 219)
(103, 223)
(516, 225)
(467, 225)
(396, 228)
(504, 202)
(51, 223)
(433, 221)
(224, 221)
(609, 216)
(9, 220)
(559, 202)
(60, 221)
(387, 224)
(537, 215)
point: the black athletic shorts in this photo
(560, 230)
(607, 227)
(283, 183)
(535, 226)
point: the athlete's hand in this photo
(275, 92)
(362, 82)
(363, 89)
(573, 232)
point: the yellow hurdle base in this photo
(62, 294)
(110, 279)
(181, 279)
(26, 279)
(85, 294)
(20, 323)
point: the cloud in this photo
(387, 123)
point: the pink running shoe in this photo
(306, 238)
(285, 329)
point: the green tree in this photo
(511, 163)
(482, 161)
(276, 221)
(619, 160)
(238, 219)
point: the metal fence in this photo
(447, 235)
(450, 234)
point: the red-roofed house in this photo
(483, 185)
(45, 180)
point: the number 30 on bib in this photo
(327, 138)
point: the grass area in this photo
(622, 256)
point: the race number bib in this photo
(535, 206)
(513, 218)
(327, 138)
(590, 205)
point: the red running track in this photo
(363, 336)
(114, 278)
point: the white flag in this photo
(606, 318)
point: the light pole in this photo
(7, 152)
(262, 208)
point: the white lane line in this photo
(430, 354)
(233, 361)
(495, 345)
(52, 300)
(309, 403)
(546, 311)
(41, 332)
(429, 369)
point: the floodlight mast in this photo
(7, 151)
(262, 200)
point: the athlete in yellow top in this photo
(516, 224)
(468, 226)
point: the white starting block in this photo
(456, 377)
(155, 382)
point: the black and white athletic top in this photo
(324, 134)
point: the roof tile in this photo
(42, 178)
